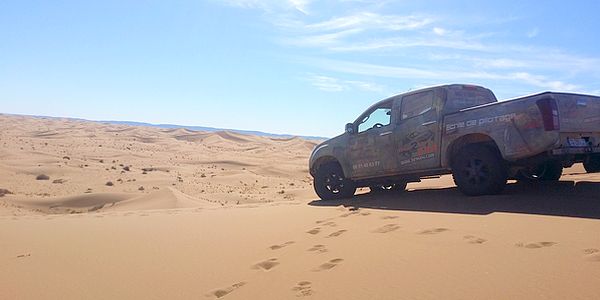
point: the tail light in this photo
(549, 110)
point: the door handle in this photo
(385, 133)
(428, 123)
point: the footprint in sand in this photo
(434, 231)
(323, 221)
(318, 249)
(330, 224)
(220, 293)
(314, 231)
(349, 214)
(337, 233)
(389, 217)
(277, 247)
(535, 245)
(329, 265)
(387, 228)
(266, 265)
(474, 240)
(303, 289)
(592, 254)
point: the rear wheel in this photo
(548, 171)
(395, 187)
(330, 183)
(592, 165)
(479, 170)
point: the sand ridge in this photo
(90, 165)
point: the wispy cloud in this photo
(332, 84)
(418, 46)
(388, 71)
(374, 70)
(543, 82)
(369, 21)
(272, 5)
(533, 32)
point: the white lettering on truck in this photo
(480, 122)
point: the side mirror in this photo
(350, 128)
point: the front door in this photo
(372, 148)
(419, 131)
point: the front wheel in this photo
(330, 183)
(592, 165)
(478, 170)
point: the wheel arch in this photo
(470, 139)
(325, 160)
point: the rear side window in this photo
(461, 97)
(416, 104)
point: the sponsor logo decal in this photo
(482, 121)
(369, 164)
(417, 158)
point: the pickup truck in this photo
(461, 130)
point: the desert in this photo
(147, 213)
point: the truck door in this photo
(372, 147)
(419, 131)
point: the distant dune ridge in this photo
(139, 212)
(188, 128)
(87, 166)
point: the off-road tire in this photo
(330, 183)
(393, 188)
(592, 165)
(548, 171)
(479, 170)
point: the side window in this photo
(416, 104)
(380, 117)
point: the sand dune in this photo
(145, 213)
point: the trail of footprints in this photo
(304, 288)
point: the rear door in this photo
(419, 130)
(372, 148)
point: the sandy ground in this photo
(192, 215)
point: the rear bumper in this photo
(576, 150)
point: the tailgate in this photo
(578, 113)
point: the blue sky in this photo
(290, 66)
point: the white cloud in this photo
(300, 5)
(439, 31)
(321, 40)
(419, 46)
(331, 84)
(272, 5)
(543, 82)
(365, 69)
(370, 20)
(533, 32)
(406, 42)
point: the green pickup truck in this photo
(461, 130)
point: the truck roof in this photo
(473, 86)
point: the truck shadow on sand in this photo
(563, 198)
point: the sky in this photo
(291, 66)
